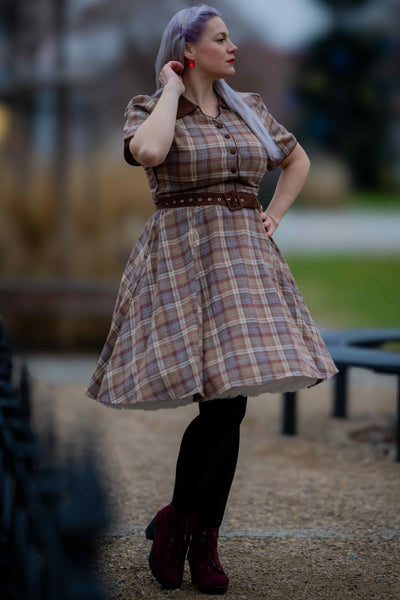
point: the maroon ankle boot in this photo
(170, 532)
(205, 568)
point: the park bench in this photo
(352, 348)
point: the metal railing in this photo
(49, 516)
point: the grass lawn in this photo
(344, 291)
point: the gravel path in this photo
(312, 516)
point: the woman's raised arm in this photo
(153, 139)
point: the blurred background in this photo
(71, 208)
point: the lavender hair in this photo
(188, 25)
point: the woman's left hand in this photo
(270, 223)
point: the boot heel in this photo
(151, 529)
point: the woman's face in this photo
(214, 50)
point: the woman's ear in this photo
(188, 52)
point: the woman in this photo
(207, 309)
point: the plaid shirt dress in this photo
(207, 306)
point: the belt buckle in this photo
(233, 202)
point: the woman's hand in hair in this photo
(169, 75)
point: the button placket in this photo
(233, 151)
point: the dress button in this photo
(219, 125)
(227, 136)
(234, 170)
(233, 150)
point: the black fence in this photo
(50, 516)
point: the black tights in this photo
(207, 460)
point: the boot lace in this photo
(208, 542)
(178, 542)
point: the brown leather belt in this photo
(233, 200)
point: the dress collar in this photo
(186, 106)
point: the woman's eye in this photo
(221, 40)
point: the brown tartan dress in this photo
(207, 306)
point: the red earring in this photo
(191, 63)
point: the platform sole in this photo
(212, 591)
(208, 590)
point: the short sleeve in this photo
(283, 138)
(136, 112)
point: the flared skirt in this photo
(206, 308)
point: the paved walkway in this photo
(313, 516)
(339, 231)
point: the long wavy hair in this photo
(188, 25)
